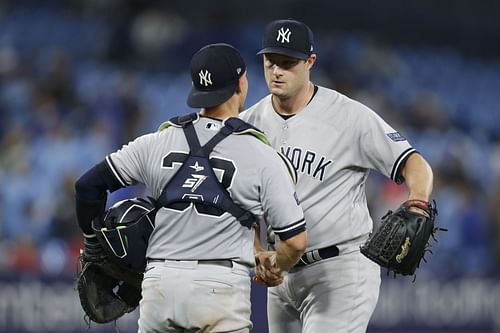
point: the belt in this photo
(317, 255)
(222, 262)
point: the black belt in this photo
(222, 262)
(317, 255)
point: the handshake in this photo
(270, 266)
(267, 272)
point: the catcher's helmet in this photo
(124, 232)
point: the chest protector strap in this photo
(196, 183)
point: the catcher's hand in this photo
(266, 271)
(403, 237)
(106, 291)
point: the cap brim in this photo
(285, 52)
(207, 99)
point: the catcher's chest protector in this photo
(195, 182)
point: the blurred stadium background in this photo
(80, 78)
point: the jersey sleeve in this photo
(282, 210)
(382, 147)
(128, 163)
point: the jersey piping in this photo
(115, 172)
(290, 230)
(399, 162)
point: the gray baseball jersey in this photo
(333, 144)
(256, 177)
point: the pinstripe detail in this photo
(289, 165)
(292, 226)
(115, 173)
(399, 160)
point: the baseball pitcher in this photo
(333, 142)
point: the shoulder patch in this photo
(396, 136)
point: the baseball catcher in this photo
(403, 237)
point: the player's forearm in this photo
(419, 177)
(289, 252)
(257, 243)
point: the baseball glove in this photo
(403, 237)
(106, 291)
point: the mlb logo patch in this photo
(396, 136)
(212, 126)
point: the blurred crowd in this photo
(74, 88)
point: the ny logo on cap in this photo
(284, 35)
(205, 78)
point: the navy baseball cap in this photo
(288, 37)
(215, 71)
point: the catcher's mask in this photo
(124, 232)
